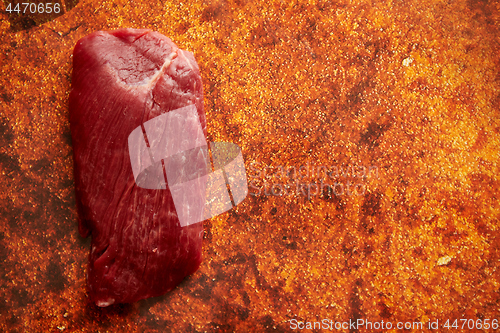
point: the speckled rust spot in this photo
(213, 12)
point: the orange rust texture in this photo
(411, 88)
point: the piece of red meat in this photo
(122, 79)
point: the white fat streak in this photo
(150, 82)
(181, 53)
(105, 303)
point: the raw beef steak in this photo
(122, 79)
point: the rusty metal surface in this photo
(406, 93)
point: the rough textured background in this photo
(410, 87)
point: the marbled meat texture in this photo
(120, 80)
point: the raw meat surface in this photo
(122, 79)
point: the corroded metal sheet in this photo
(370, 132)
